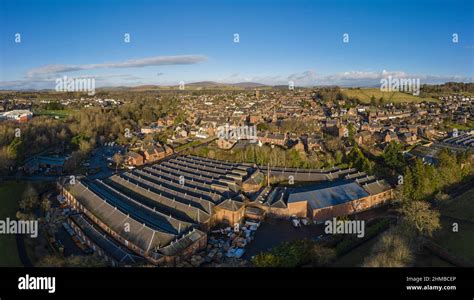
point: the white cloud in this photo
(49, 82)
(305, 76)
(354, 76)
(132, 63)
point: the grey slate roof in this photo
(376, 187)
(139, 234)
(106, 243)
(230, 204)
(320, 198)
(185, 241)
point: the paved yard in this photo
(273, 232)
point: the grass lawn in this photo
(192, 144)
(185, 146)
(427, 259)
(459, 243)
(364, 95)
(10, 193)
(63, 113)
(469, 125)
(461, 207)
(355, 258)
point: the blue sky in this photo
(190, 41)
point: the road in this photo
(99, 160)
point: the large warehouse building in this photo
(163, 211)
(322, 204)
(342, 193)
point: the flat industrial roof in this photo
(329, 196)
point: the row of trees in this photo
(399, 246)
(446, 89)
(276, 156)
(358, 160)
(329, 94)
(393, 158)
(419, 220)
(294, 254)
(422, 181)
(295, 126)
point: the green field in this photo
(192, 144)
(461, 207)
(425, 260)
(63, 113)
(10, 193)
(459, 243)
(185, 146)
(469, 125)
(365, 94)
(355, 258)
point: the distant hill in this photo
(428, 92)
(248, 84)
(213, 84)
(143, 87)
(192, 85)
(205, 84)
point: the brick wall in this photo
(299, 209)
(351, 207)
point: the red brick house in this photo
(155, 153)
(133, 159)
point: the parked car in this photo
(295, 222)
